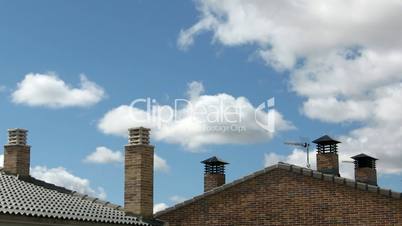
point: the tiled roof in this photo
(31, 197)
(297, 170)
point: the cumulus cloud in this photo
(160, 164)
(173, 200)
(61, 177)
(288, 30)
(195, 89)
(177, 199)
(159, 207)
(49, 90)
(201, 120)
(103, 155)
(380, 141)
(347, 68)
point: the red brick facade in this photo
(366, 175)
(213, 180)
(328, 163)
(288, 195)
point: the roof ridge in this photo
(294, 169)
(218, 189)
(341, 180)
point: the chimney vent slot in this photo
(17, 137)
(139, 136)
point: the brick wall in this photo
(213, 180)
(366, 175)
(17, 159)
(281, 197)
(328, 163)
(138, 186)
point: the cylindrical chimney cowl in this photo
(365, 169)
(17, 153)
(214, 174)
(139, 172)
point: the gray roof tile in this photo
(31, 197)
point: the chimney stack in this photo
(327, 155)
(17, 153)
(365, 170)
(214, 174)
(139, 173)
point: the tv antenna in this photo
(305, 145)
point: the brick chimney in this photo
(365, 170)
(139, 172)
(17, 153)
(214, 174)
(327, 155)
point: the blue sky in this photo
(138, 49)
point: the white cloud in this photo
(61, 177)
(174, 200)
(177, 199)
(202, 122)
(381, 132)
(195, 89)
(348, 68)
(104, 155)
(381, 141)
(285, 31)
(334, 110)
(160, 164)
(297, 157)
(159, 207)
(50, 91)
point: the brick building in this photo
(25, 200)
(285, 194)
(281, 194)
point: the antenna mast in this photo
(305, 145)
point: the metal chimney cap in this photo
(139, 128)
(17, 129)
(362, 155)
(326, 140)
(214, 161)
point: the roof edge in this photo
(294, 169)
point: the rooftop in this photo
(28, 196)
(297, 170)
